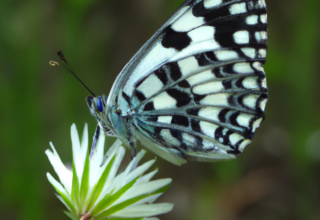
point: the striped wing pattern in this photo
(205, 101)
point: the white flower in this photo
(93, 190)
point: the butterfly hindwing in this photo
(207, 104)
(197, 89)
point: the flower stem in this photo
(85, 216)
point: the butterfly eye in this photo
(100, 105)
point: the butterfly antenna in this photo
(60, 54)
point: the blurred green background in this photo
(278, 176)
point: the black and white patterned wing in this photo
(198, 87)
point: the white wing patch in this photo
(244, 144)
(208, 128)
(244, 119)
(150, 86)
(264, 83)
(238, 8)
(165, 133)
(241, 37)
(165, 119)
(207, 88)
(211, 3)
(243, 68)
(256, 124)
(188, 66)
(156, 56)
(261, 36)
(210, 113)
(196, 48)
(258, 66)
(252, 19)
(261, 4)
(249, 52)
(201, 77)
(224, 55)
(250, 101)
(262, 53)
(251, 82)
(188, 138)
(235, 138)
(202, 33)
(263, 104)
(263, 18)
(164, 101)
(187, 22)
(217, 99)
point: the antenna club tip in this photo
(53, 63)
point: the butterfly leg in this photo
(95, 140)
(133, 148)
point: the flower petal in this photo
(112, 150)
(96, 169)
(147, 177)
(108, 200)
(96, 191)
(84, 186)
(78, 161)
(65, 175)
(75, 195)
(149, 199)
(144, 189)
(114, 169)
(98, 153)
(144, 210)
(84, 143)
(98, 162)
(129, 168)
(64, 195)
(139, 171)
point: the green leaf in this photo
(75, 187)
(71, 215)
(99, 186)
(110, 199)
(84, 188)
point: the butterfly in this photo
(197, 89)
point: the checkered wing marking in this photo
(207, 101)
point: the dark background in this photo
(277, 177)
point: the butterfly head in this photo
(97, 105)
(98, 108)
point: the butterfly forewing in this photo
(197, 88)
